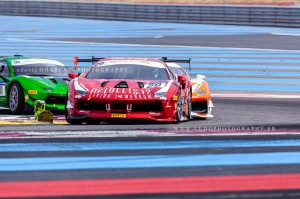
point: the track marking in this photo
(285, 34)
(172, 46)
(146, 161)
(254, 95)
(145, 145)
(29, 122)
(150, 185)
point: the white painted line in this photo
(169, 46)
(133, 133)
(285, 34)
(255, 95)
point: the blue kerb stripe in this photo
(78, 146)
(151, 161)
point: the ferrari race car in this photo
(128, 89)
(24, 80)
(201, 101)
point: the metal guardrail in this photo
(235, 15)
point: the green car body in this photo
(23, 80)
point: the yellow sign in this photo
(175, 97)
(118, 115)
(33, 92)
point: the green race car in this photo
(23, 80)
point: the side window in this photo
(4, 70)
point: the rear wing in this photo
(188, 61)
(93, 59)
(164, 59)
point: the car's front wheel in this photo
(16, 99)
(189, 101)
(179, 110)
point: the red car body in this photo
(128, 89)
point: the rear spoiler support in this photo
(93, 59)
(188, 61)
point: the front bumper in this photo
(156, 110)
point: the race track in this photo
(250, 149)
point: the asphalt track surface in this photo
(250, 149)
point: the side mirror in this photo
(73, 75)
(182, 80)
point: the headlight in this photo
(79, 89)
(48, 89)
(80, 92)
(159, 94)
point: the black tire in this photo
(179, 107)
(71, 121)
(189, 115)
(92, 122)
(16, 99)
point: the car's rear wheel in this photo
(16, 99)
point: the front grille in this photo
(118, 107)
(55, 100)
(148, 107)
(87, 106)
(199, 106)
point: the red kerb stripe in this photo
(150, 185)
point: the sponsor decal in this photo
(32, 92)
(35, 61)
(115, 115)
(131, 61)
(157, 84)
(120, 93)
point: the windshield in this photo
(177, 71)
(41, 69)
(128, 71)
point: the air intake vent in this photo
(122, 85)
(141, 84)
(53, 80)
(104, 84)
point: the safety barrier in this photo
(235, 15)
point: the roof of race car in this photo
(175, 65)
(20, 60)
(120, 60)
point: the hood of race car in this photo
(44, 84)
(123, 88)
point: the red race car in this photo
(128, 89)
